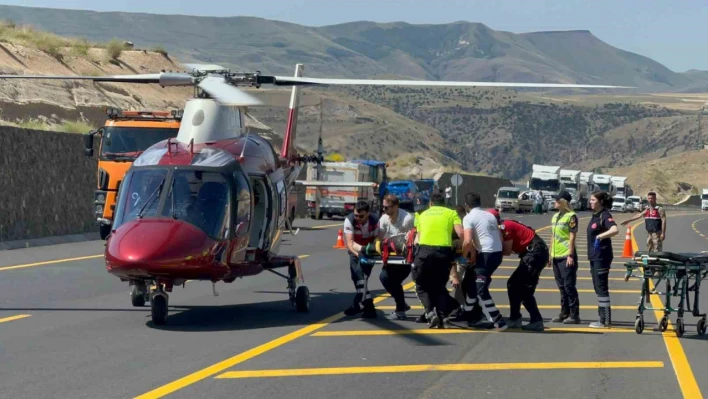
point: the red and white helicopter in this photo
(211, 204)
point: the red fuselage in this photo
(173, 250)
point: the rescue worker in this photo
(461, 262)
(393, 225)
(655, 222)
(434, 257)
(564, 258)
(600, 230)
(533, 257)
(483, 244)
(361, 228)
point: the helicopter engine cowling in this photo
(155, 247)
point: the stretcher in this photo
(681, 273)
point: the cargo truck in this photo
(704, 199)
(620, 183)
(571, 180)
(604, 183)
(124, 136)
(340, 201)
(547, 180)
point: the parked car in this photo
(619, 204)
(405, 190)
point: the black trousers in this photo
(566, 280)
(360, 273)
(521, 286)
(600, 270)
(392, 277)
(476, 285)
(431, 270)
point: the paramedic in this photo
(600, 229)
(361, 228)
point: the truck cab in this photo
(405, 191)
(704, 199)
(124, 136)
(425, 187)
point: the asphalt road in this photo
(67, 329)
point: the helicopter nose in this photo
(156, 243)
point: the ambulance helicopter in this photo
(211, 203)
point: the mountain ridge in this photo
(452, 51)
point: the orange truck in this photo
(125, 135)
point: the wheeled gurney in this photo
(682, 274)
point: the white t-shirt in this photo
(403, 224)
(448, 192)
(487, 237)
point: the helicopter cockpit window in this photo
(140, 195)
(199, 198)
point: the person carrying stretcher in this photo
(361, 229)
(533, 256)
(394, 227)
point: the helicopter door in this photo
(262, 213)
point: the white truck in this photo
(339, 200)
(588, 179)
(604, 183)
(704, 199)
(571, 180)
(547, 180)
(620, 182)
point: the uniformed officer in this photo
(655, 222)
(600, 230)
(564, 257)
(533, 257)
(361, 228)
(434, 257)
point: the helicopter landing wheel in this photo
(139, 295)
(158, 304)
(302, 299)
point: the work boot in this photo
(515, 323)
(574, 317)
(533, 326)
(353, 310)
(369, 310)
(421, 319)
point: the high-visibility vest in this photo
(560, 228)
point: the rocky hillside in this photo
(454, 51)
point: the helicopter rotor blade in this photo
(226, 94)
(297, 81)
(163, 79)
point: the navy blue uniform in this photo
(600, 261)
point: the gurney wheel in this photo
(701, 326)
(664, 324)
(639, 324)
(302, 299)
(680, 328)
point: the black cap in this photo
(565, 195)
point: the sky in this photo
(671, 32)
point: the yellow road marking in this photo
(682, 368)
(439, 367)
(582, 291)
(249, 354)
(50, 262)
(583, 307)
(13, 318)
(553, 278)
(462, 331)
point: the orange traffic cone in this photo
(627, 252)
(340, 240)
